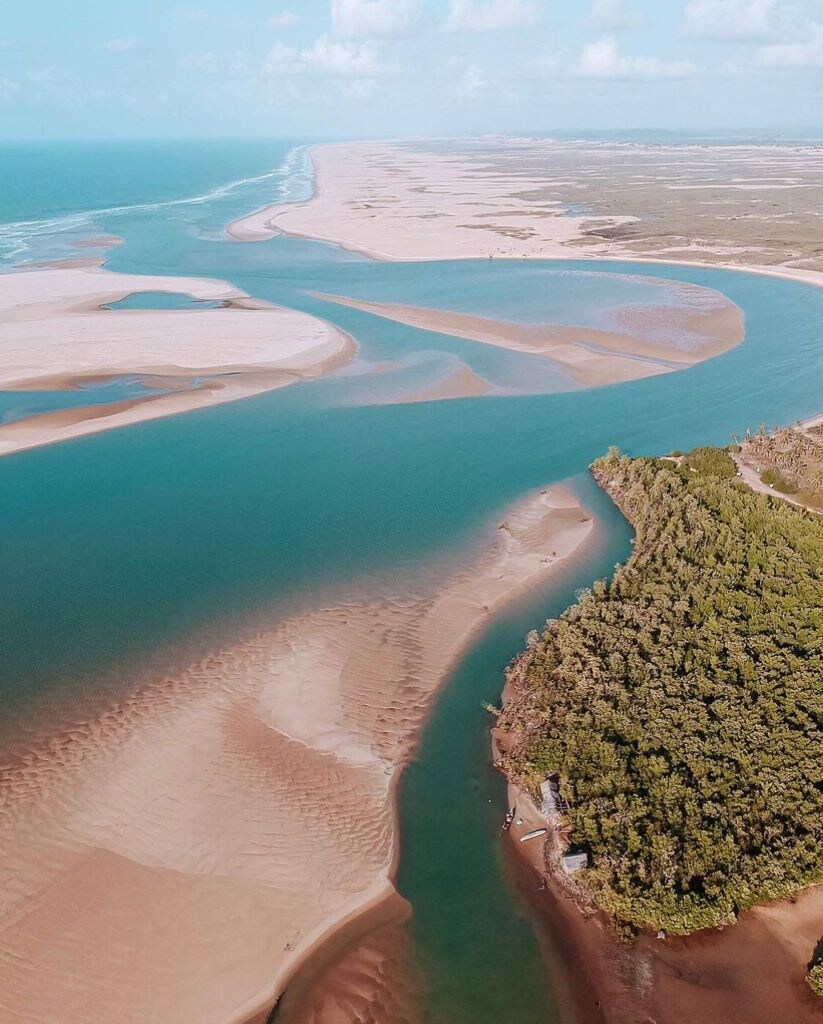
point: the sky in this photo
(359, 68)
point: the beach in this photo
(750, 973)
(55, 334)
(244, 803)
(499, 198)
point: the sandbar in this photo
(590, 356)
(54, 335)
(183, 849)
(509, 198)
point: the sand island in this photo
(55, 334)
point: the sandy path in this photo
(53, 332)
(752, 479)
(174, 858)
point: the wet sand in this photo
(179, 854)
(54, 335)
(623, 356)
(751, 973)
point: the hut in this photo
(552, 802)
(574, 861)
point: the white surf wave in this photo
(19, 239)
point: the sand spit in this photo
(53, 335)
(511, 198)
(592, 357)
(393, 203)
(177, 857)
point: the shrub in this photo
(711, 462)
(774, 478)
(815, 979)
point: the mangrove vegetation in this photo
(680, 704)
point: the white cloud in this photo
(192, 14)
(326, 58)
(362, 18)
(614, 15)
(8, 89)
(805, 54)
(123, 45)
(491, 15)
(207, 63)
(729, 20)
(604, 60)
(285, 19)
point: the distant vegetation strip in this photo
(788, 459)
(681, 703)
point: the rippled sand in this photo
(590, 356)
(175, 858)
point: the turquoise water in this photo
(162, 300)
(120, 544)
(19, 405)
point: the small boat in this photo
(533, 834)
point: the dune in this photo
(179, 855)
(54, 335)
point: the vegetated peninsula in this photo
(678, 707)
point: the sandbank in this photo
(54, 335)
(183, 850)
(392, 203)
(508, 198)
(623, 357)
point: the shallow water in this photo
(118, 544)
(162, 300)
(19, 405)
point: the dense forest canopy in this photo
(681, 703)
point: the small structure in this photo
(553, 803)
(572, 862)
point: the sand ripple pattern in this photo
(175, 858)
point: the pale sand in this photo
(176, 857)
(394, 202)
(53, 333)
(626, 356)
(398, 204)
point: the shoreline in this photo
(315, 721)
(699, 978)
(750, 969)
(324, 952)
(259, 225)
(243, 348)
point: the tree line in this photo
(681, 703)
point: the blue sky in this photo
(362, 67)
